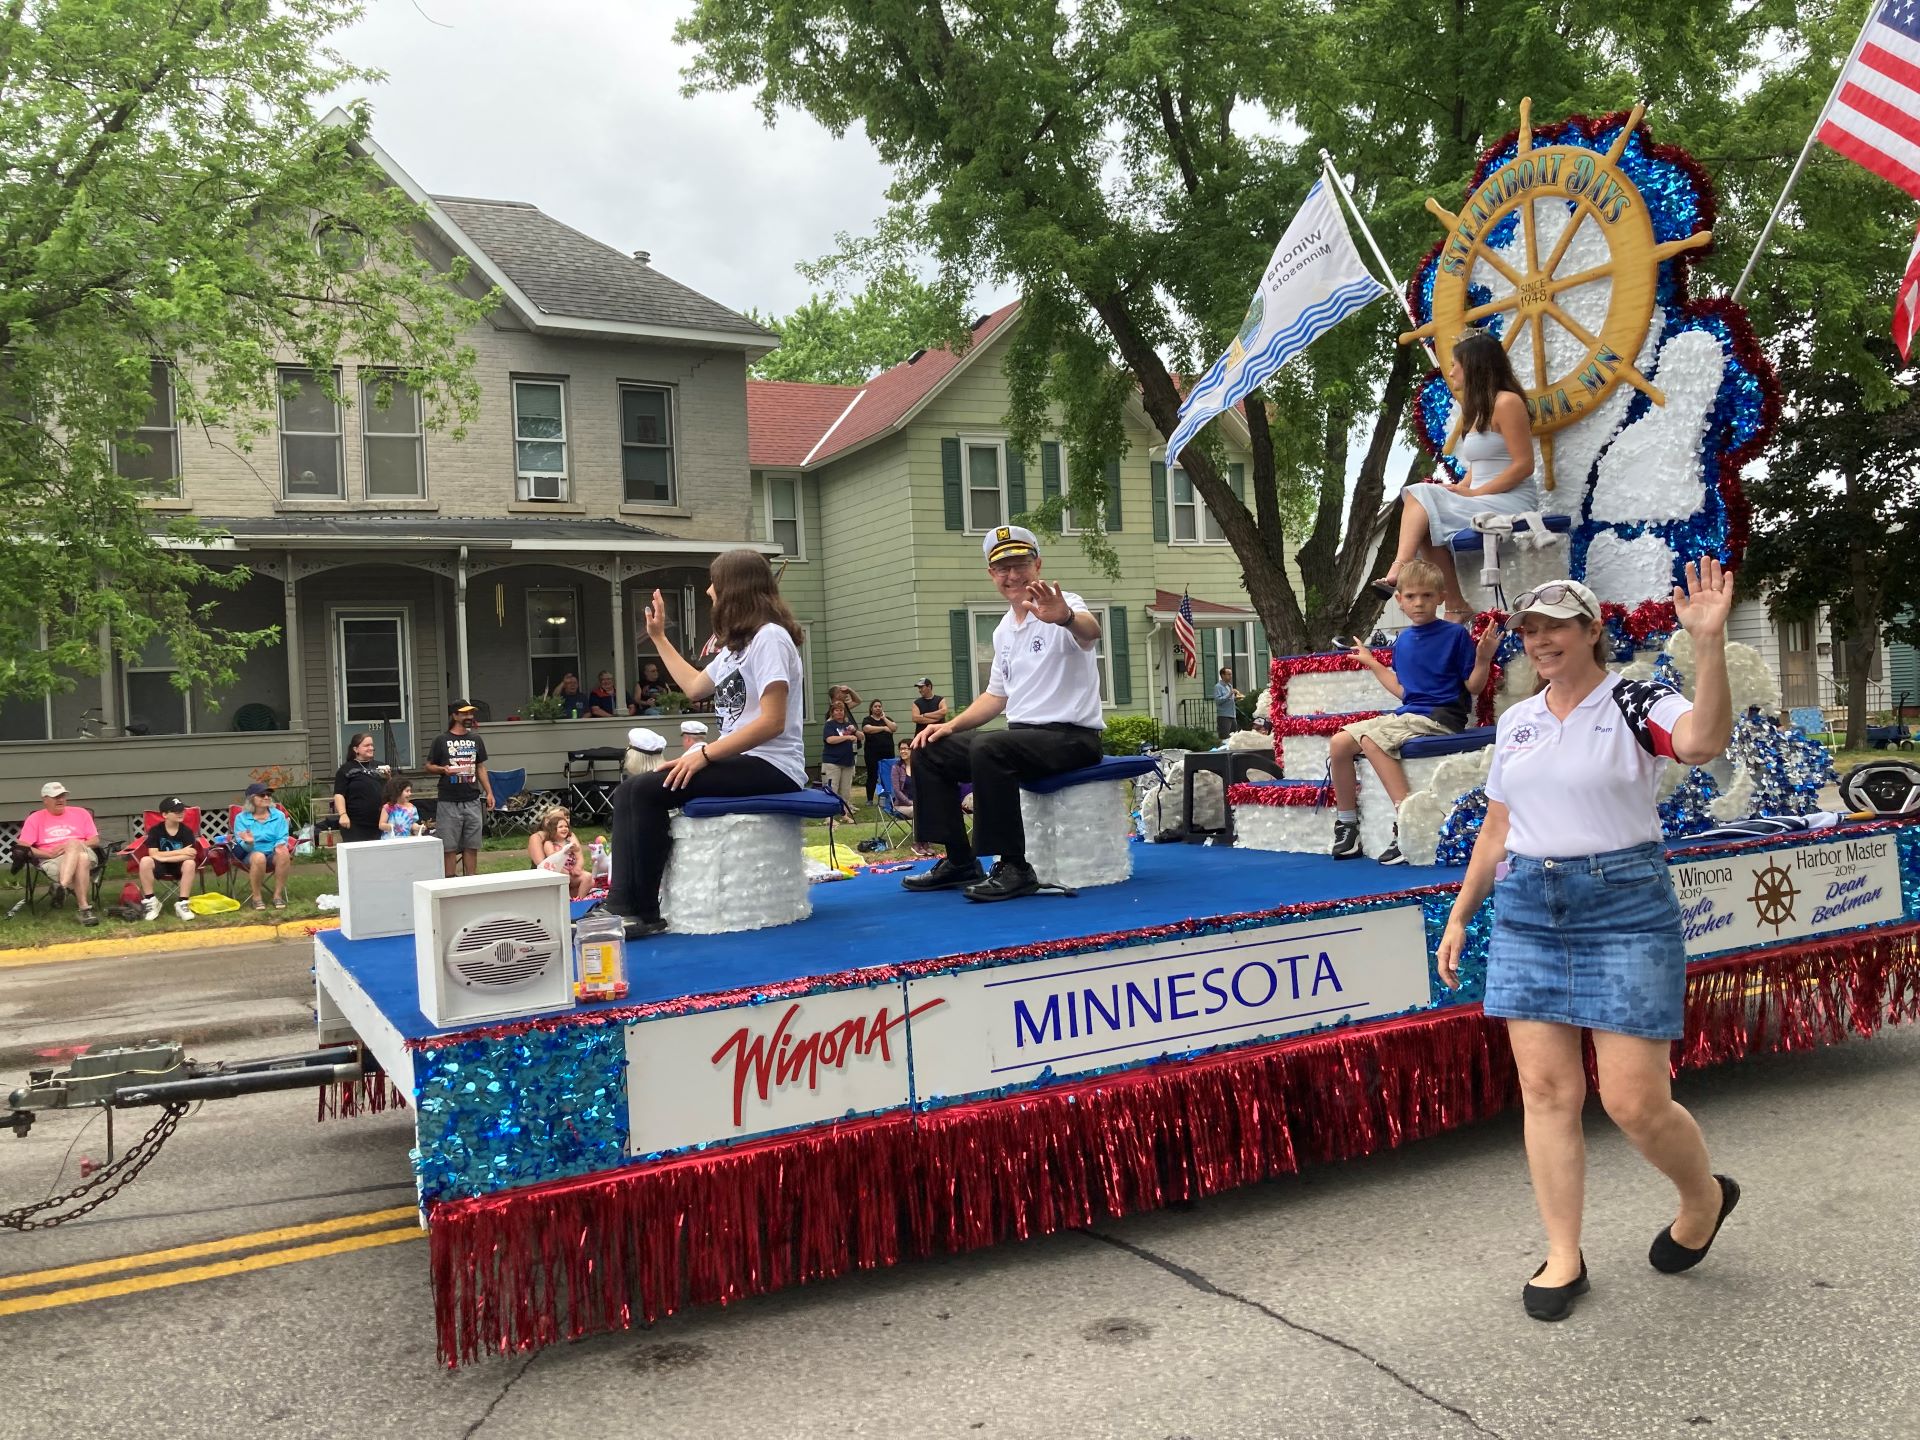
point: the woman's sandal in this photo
(1385, 589)
(1670, 1257)
(1554, 1302)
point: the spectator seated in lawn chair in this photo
(61, 842)
(168, 856)
(259, 836)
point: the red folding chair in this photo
(206, 857)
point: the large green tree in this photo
(1130, 164)
(170, 191)
(834, 341)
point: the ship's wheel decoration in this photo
(1574, 311)
(1773, 895)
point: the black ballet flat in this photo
(1670, 1257)
(1554, 1302)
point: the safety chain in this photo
(120, 1172)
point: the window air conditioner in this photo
(492, 947)
(545, 487)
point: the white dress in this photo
(1485, 454)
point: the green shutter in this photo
(1209, 660)
(1016, 483)
(1113, 497)
(1122, 658)
(950, 483)
(1262, 662)
(960, 638)
(1049, 469)
(1159, 473)
(1237, 478)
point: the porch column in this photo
(460, 628)
(296, 691)
(619, 633)
(109, 702)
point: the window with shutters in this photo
(1068, 525)
(983, 470)
(784, 525)
(1191, 523)
(985, 622)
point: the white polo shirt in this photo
(1043, 674)
(1585, 785)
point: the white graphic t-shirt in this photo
(740, 680)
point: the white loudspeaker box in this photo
(492, 947)
(376, 883)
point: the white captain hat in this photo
(1009, 542)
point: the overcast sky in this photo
(575, 105)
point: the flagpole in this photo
(1386, 270)
(1799, 165)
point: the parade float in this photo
(754, 1114)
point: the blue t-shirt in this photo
(838, 749)
(260, 833)
(1433, 662)
(572, 707)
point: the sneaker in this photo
(1391, 855)
(150, 907)
(182, 909)
(945, 876)
(279, 902)
(1010, 880)
(87, 917)
(1346, 839)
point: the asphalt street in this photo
(1378, 1298)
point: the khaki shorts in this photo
(51, 867)
(1390, 732)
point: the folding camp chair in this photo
(508, 817)
(166, 880)
(890, 827)
(235, 863)
(33, 881)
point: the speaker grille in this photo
(501, 952)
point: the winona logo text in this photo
(771, 1062)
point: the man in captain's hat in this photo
(1046, 681)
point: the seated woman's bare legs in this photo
(1413, 536)
(1456, 600)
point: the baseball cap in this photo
(259, 788)
(1009, 542)
(51, 789)
(461, 707)
(648, 742)
(924, 680)
(1557, 600)
(173, 805)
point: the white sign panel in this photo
(1006, 1024)
(1749, 899)
(755, 1069)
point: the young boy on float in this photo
(1436, 672)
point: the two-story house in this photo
(879, 495)
(405, 567)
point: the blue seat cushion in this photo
(1474, 540)
(808, 804)
(1111, 767)
(1477, 738)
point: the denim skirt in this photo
(1589, 940)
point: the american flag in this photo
(1874, 118)
(1906, 306)
(1183, 632)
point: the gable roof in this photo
(559, 281)
(783, 414)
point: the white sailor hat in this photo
(693, 727)
(650, 742)
(1009, 542)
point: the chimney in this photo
(643, 256)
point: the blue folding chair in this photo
(890, 827)
(505, 786)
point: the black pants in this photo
(995, 761)
(643, 823)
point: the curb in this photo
(210, 939)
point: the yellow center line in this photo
(35, 1279)
(191, 1274)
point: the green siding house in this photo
(879, 495)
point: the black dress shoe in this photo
(639, 927)
(1669, 1256)
(1554, 1302)
(946, 875)
(1010, 880)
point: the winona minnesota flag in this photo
(1314, 281)
(1875, 117)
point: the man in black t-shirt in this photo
(459, 758)
(928, 708)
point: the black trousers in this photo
(643, 823)
(995, 762)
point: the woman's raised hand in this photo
(656, 618)
(1704, 601)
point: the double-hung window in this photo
(784, 526)
(984, 475)
(312, 465)
(985, 622)
(394, 448)
(646, 444)
(540, 439)
(1191, 522)
(157, 465)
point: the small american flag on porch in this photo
(1183, 632)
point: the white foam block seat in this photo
(1077, 821)
(1296, 829)
(739, 864)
